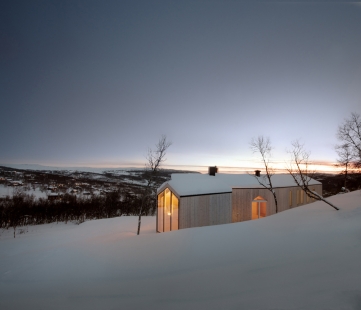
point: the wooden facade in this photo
(240, 204)
(205, 210)
(287, 198)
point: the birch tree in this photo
(262, 146)
(299, 169)
(155, 158)
(344, 160)
(349, 132)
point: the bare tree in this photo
(349, 132)
(262, 145)
(299, 169)
(344, 160)
(154, 160)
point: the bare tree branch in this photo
(349, 132)
(344, 160)
(154, 160)
(298, 168)
(262, 145)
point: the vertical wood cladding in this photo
(205, 210)
(215, 209)
(242, 200)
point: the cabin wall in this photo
(242, 200)
(205, 210)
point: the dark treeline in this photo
(23, 209)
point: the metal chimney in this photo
(257, 173)
(212, 170)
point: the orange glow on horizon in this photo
(247, 166)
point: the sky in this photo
(96, 83)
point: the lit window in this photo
(259, 208)
(167, 212)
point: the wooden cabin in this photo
(195, 200)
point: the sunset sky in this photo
(95, 83)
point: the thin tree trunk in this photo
(270, 189)
(329, 203)
(142, 205)
(324, 200)
(139, 221)
(300, 176)
(154, 158)
(275, 198)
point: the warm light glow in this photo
(175, 207)
(249, 165)
(168, 204)
(167, 208)
(225, 166)
(259, 208)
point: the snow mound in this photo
(304, 258)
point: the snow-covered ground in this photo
(9, 191)
(305, 258)
(6, 190)
(72, 169)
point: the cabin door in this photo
(259, 208)
(167, 213)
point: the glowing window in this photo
(259, 208)
(167, 212)
(175, 203)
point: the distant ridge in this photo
(83, 169)
(80, 169)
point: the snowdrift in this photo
(304, 258)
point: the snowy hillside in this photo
(305, 258)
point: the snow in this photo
(137, 182)
(186, 184)
(9, 191)
(72, 169)
(304, 258)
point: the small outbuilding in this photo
(195, 200)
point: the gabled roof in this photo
(188, 184)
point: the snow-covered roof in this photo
(188, 184)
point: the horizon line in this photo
(323, 167)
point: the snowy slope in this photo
(305, 258)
